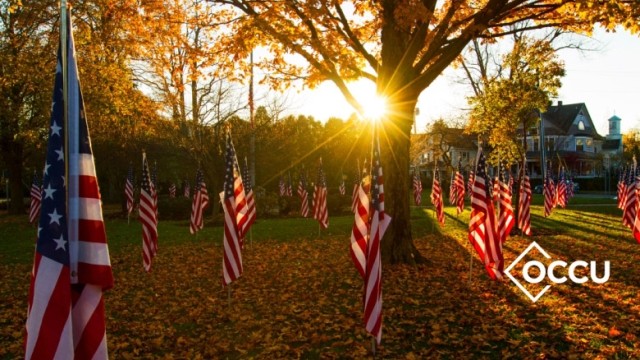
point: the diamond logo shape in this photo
(517, 260)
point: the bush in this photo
(178, 208)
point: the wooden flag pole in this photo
(373, 345)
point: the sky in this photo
(607, 80)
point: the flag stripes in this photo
(232, 239)
(482, 224)
(148, 217)
(71, 267)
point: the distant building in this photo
(572, 140)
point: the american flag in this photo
(172, 190)
(282, 187)
(356, 184)
(342, 189)
(36, 199)
(621, 188)
(248, 191)
(570, 190)
(289, 185)
(373, 273)
(631, 200)
(128, 189)
(186, 189)
(303, 194)
(636, 218)
(320, 210)
(549, 193)
(561, 192)
(470, 183)
(453, 195)
(524, 203)
(231, 240)
(71, 269)
(436, 196)
(459, 184)
(148, 217)
(199, 204)
(482, 224)
(360, 228)
(154, 187)
(417, 189)
(506, 218)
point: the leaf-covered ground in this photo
(301, 298)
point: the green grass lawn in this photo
(300, 296)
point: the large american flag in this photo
(36, 199)
(199, 204)
(506, 218)
(320, 210)
(248, 191)
(524, 202)
(231, 239)
(148, 216)
(71, 269)
(128, 189)
(417, 189)
(482, 224)
(549, 191)
(360, 228)
(373, 273)
(303, 194)
(436, 196)
(460, 188)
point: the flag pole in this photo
(373, 345)
(65, 96)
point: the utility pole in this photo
(252, 140)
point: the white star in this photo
(48, 192)
(60, 243)
(60, 153)
(55, 217)
(55, 129)
(46, 168)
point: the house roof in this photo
(560, 119)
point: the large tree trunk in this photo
(397, 245)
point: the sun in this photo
(375, 107)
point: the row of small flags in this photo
(628, 191)
(487, 232)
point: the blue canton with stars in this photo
(230, 156)
(52, 230)
(246, 180)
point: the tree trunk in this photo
(397, 245)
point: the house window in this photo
(581, 125)
(550, 143)
(579, 144)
